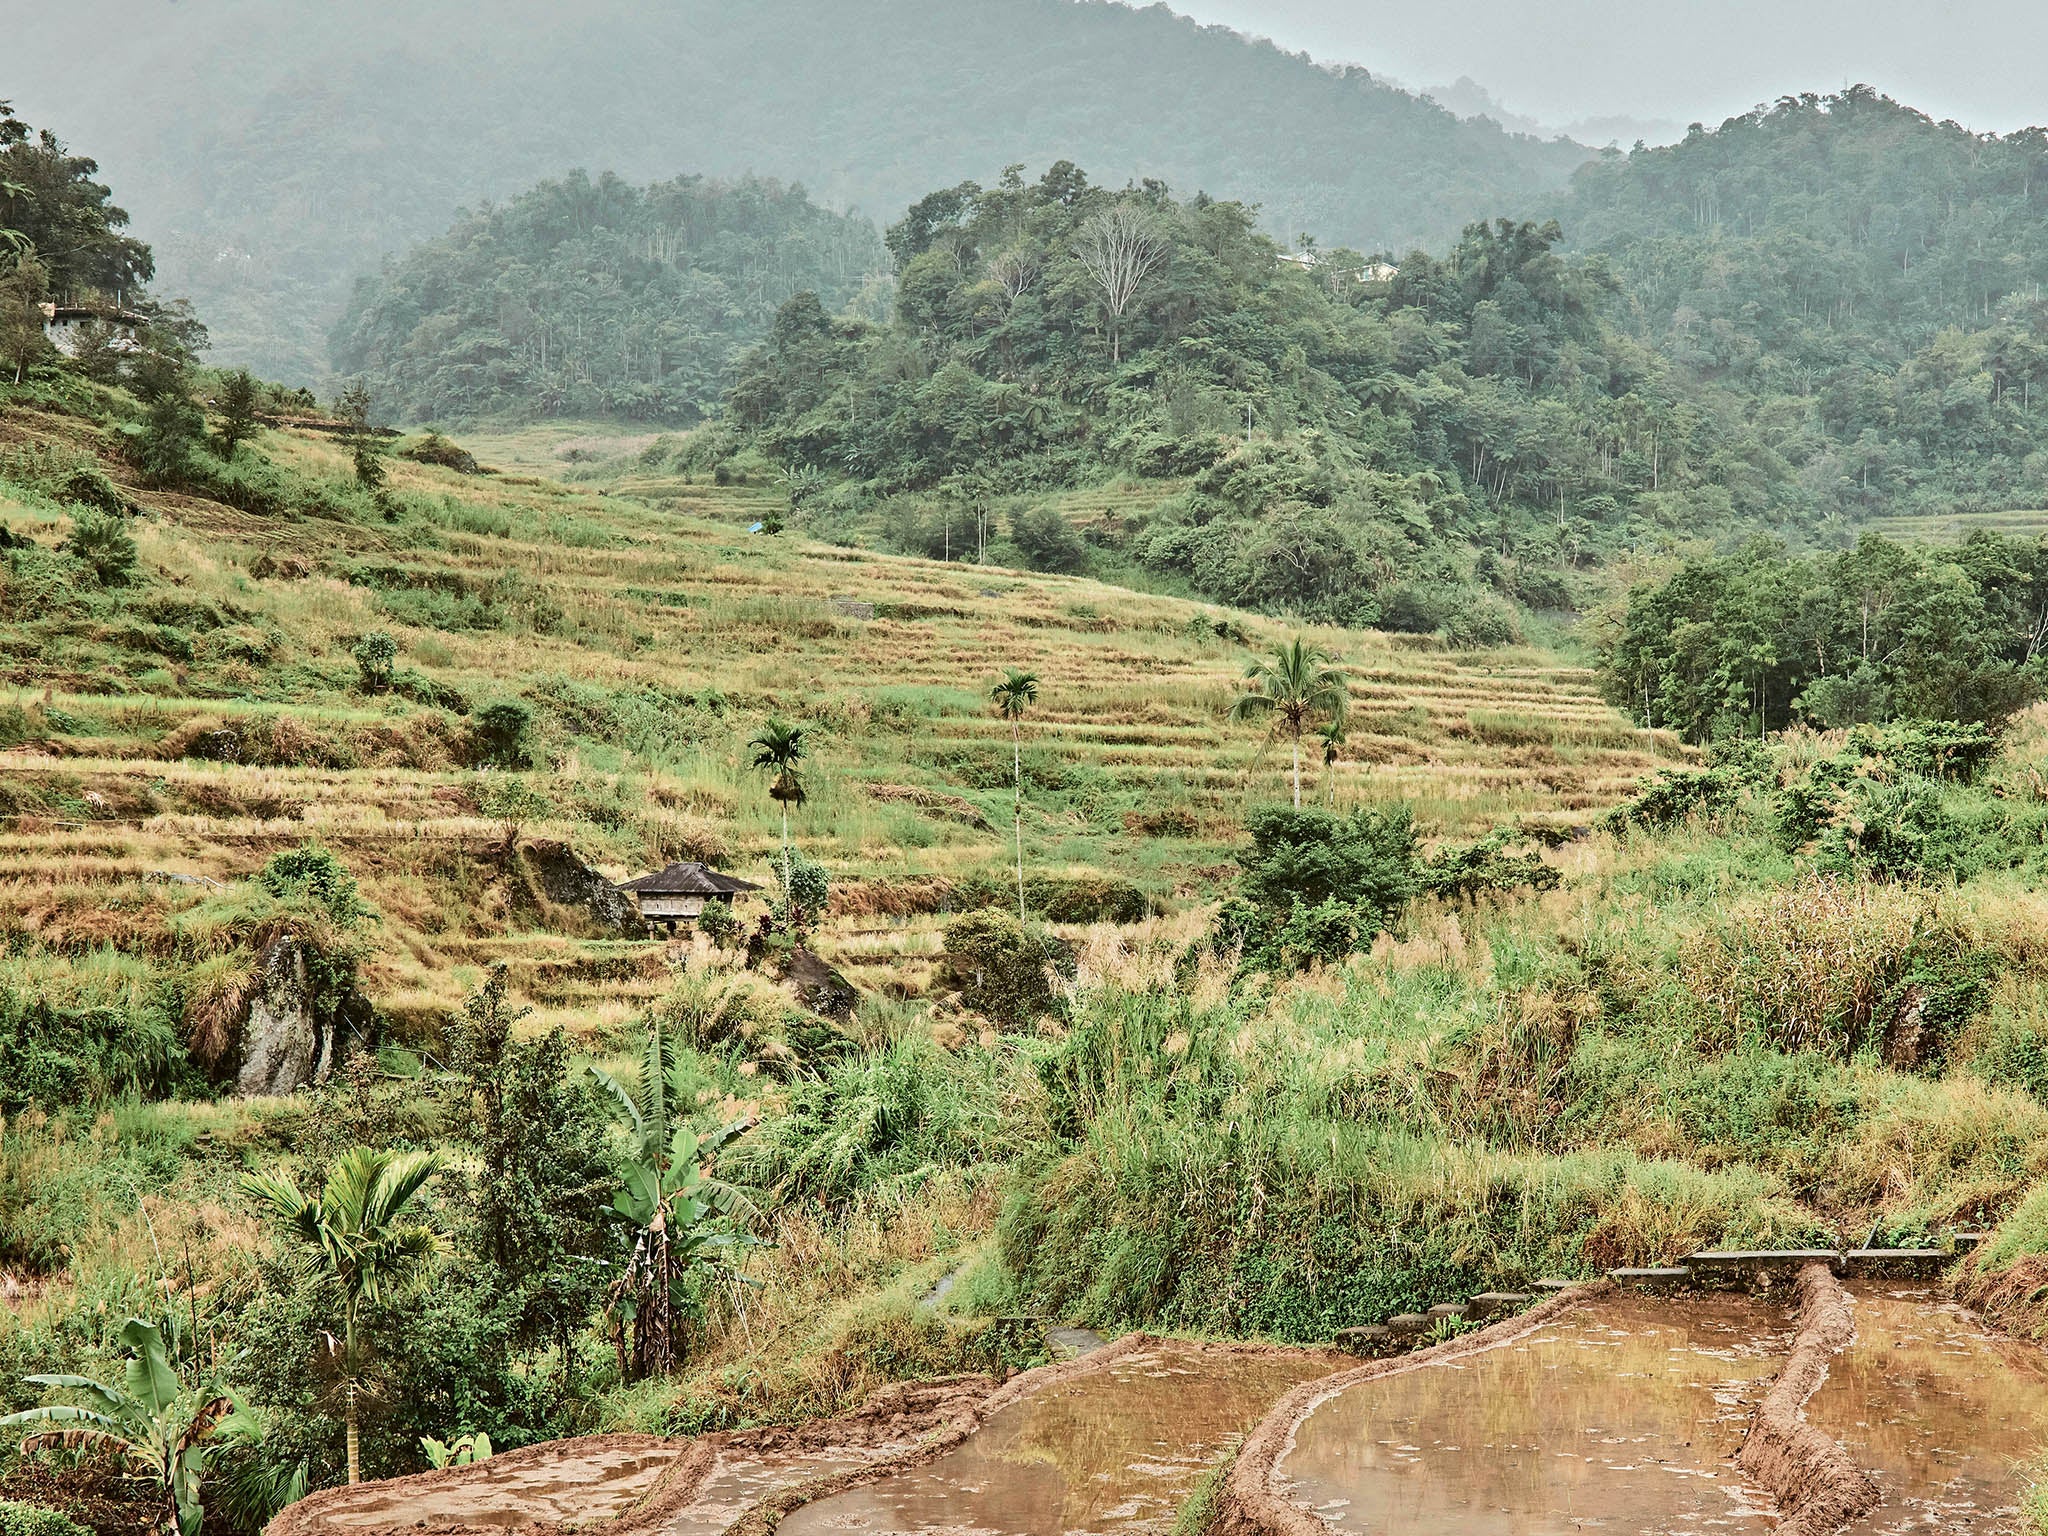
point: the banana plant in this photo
(462, 1451)
(684, 1220)
(149, 1421)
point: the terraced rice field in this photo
(1955, 527)
(654, 636)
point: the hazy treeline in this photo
(594, 297)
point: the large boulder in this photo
(550, 875)
(819, 987)
(286, 1043)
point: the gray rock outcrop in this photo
(285, 1045)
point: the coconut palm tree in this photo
(148, 1420)
(1017, 691)
(777, 751)
(1295, 686)
(355, 1235)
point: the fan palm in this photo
(777, 751)
(1012, 696)
(149, 1421)
(356, 1235)
(1295, 685)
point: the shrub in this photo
(498, 734)
(100, 540)
(805, 890)
(1678, 794)
(511, 802)
(311, 873)
(1004, 971)
(1046, 540)
(1083, 899)
(32, 1520)
(375, 655)
(1365, 859)
(1486, 868)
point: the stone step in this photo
(1747, 1266)
(1449, 1309)
(1970, 1242)
(1371, 1339)
(1666, 1279)
(1552, 1287)
(1496, 1303)
(1408, 1322)
(1895, 1263)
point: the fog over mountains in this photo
(351, 133)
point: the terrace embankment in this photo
(1116, 1449)
(1112, 1440)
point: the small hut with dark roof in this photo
(677, 894)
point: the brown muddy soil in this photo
(640, 1483)
(590, 1479)
(1112, 1449)
(1625, 1414)
(1938, 1409)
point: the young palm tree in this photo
(777, 751)
(1295, 685)
(1333, 738)
(354, 1232)
(1017, 691)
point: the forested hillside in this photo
(591, 297)
(1871, 279)
(353, 132)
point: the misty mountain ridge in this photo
(349, 137)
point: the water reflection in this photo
(1621, 1416)
(1115, 1450)
(1937, 1410)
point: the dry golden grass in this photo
(668, 594)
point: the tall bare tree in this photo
(1120, 248)
(1014, 271)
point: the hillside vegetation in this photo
(590, 297)
(354, 134)
(1253, 1070)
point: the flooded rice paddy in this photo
(1623, 1415)
(1937, 1410)
(1115, 1450)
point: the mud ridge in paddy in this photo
(1252, 1506)
(1819, 1488)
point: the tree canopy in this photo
(595, 297)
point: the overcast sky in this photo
(1982, 62)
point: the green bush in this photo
(1317, 886)
(32, 1520)
(375, 655)
(1486, 868)
(311, 872)
(101, 542)
(498, 735)
(1003, 970)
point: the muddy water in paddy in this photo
(1621, 1416)
(1937, 1411)
(1115, 1450)
(589, 1487)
